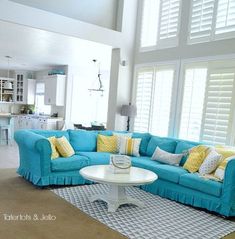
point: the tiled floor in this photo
(9, 156)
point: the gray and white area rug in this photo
(160, 218)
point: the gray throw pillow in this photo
(167, 158)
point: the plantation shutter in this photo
(161, 109)
(201, 23)
(143, 99)
(225, 20)
(169, 20)
(192, 104)
(149, 26)
(218, 106)
(160, 23)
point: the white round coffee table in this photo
(117, 183)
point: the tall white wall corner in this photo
(119, 92)
(114, 78)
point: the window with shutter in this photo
(168, 23)
(161, 106)
(219, 106)
(225, 19)
(192, 105)
(160, 23)
(201, 20)
(143, 99)
(153, 99)
(149, 27)
(211, 20)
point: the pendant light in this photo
(8, 85)
(100, 88)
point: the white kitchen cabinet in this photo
(36, 122)
(6, 95)
(55, 90)
(24, 90)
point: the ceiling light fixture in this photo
(100, 87)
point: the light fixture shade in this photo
(7, 85)
(128, 110)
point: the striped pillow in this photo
(54, 152)
(64, 147)
(227, 153)
(119, 136)
(130, 146)
(220, 171)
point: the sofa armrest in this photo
(229, 183)
(27, 138)
(35, 152)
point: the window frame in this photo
(177, 93)
(41, 94)
(213, 36)
(164, 44)
(169, 64)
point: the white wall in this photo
(98, 12)
(88, 106)
(36, 18)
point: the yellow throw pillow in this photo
(64, 147)
(196, 158)
(227, 153)
(54, 152)
(107, 143)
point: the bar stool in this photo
(7, 130)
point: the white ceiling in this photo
(34, 49)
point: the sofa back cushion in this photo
(82, 140)
(105, 132)
(166, 144)
(145, 137)
(183, 146)
(51, 133)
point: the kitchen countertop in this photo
(8, 115)
(5, 115)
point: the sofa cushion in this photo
(145, 137)
(183, 146)
(96, 158)
(164, 171)
(196, 182)
(105, 132)
(83, 140)
(72, 163)
(51, 133)
(163, 143)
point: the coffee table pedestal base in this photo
(115, 198)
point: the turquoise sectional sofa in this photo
(174, 183)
